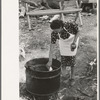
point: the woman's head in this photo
(57, 25)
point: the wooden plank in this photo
(52, 12)
(92, 1)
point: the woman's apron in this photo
(65, 45)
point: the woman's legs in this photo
(68, 63)
(72, 66)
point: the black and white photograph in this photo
(58, 49)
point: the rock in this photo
(94, 87)
(39, 30)
(22, 11)
(44, 17)
(70, 98)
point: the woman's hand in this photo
(49, 64)
(73, 46)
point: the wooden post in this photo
(79, 14)
(28, 18)
(62, 15)
(76, 17)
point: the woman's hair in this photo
(56, 24)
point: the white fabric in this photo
(65, 46)
(57, 16)
(22, 13)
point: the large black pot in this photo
(40, 81)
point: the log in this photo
(52, 12)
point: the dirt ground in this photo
(36, 43)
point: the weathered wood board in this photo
(52, 12)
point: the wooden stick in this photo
(28, 17)
(62, 16)
(76, 17)
(79, 14)
(52, 12)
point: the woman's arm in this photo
(54, 38)
(50, 55)
(76, 36)
(73, 45)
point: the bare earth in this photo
(37, 43)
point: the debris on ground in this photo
(37, 43)
(22, 11)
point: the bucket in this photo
(40, 81)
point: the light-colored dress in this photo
(65, 45)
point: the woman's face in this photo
(57, 30)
